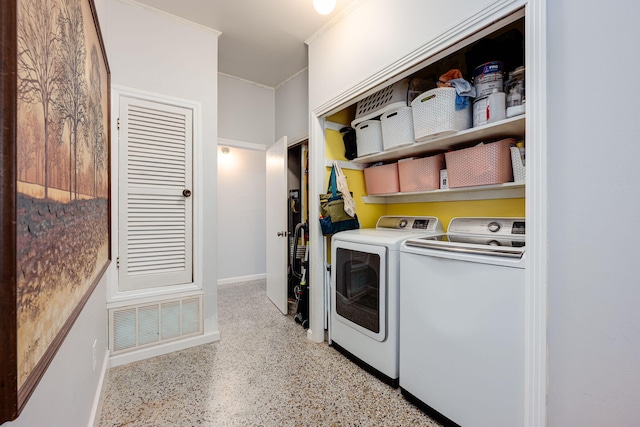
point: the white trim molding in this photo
(146, 353)
(172, 17)
(241, 279)
(241, 144)
(98, 400)
(326, 27)
(535, 404)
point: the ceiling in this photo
(262, 40)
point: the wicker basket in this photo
(382, 179)
(519, 171)
(480, 165)
(420, 174)
(435, 114)
(369, 137)
(397, 128)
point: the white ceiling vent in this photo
(144, 325)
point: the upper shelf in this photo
(511, 127)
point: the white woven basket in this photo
(519, 171)
(435, 114)
(369, 137)
(397, 128)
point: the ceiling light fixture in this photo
(324, 7)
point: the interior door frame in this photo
(116, 297)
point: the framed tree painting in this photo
(54, 182)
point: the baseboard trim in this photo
(146, 353)
(96, 409)
(242, 279)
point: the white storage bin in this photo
(369, 137)
(399, 94)
(480, 165)
(435, 114)
(382, 179)
(519, 171)
(397, 128)
(421, 174)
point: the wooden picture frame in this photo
(55, 190)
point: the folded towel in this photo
(463, 87)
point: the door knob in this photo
(186, 192)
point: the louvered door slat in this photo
(156, 220)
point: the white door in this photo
(155, 201)
(277, 239)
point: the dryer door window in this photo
(358, 288)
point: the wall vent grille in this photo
(144, 325)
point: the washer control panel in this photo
(488, 226)
(409, 223)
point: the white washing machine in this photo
(462, 322)
(365, 291)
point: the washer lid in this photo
(511, 247)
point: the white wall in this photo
(247, 126)
(375, 35)
(153, 52)
(241, 214)
(292, 108)
(594, 152)
(246, 111)
(67, 391)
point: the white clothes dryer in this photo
(364, 291)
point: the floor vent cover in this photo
(143, 325)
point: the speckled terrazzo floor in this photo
(263, 372)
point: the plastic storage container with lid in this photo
(515, 90)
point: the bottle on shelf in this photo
(496, 108)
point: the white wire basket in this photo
(435, 114)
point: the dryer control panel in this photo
(419, 223)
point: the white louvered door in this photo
(155, 201)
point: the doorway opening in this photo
(297, 227)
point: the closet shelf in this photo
(509, 190)
(511, 127)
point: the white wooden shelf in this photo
(509, 190)
(511, 127)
